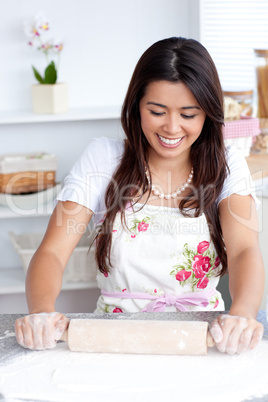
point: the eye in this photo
(156, 113)
(185, 116)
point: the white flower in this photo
(58, 47)
(34, 28)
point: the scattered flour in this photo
(7, 334)
(60, 375)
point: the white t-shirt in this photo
(89, 177)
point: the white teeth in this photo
(169, 142)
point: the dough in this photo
(61, 375)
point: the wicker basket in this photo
(27, 172)
(81, 266)
(26, 182)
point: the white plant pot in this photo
(49, 99)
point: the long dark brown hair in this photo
(174, 60)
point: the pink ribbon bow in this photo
(181, 302)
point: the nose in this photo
(172, 124)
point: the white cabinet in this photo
(65, 135)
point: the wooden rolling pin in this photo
(140, 337)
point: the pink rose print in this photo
(201, 262)
(124, 290)
(142, 226)
(183, 275)
(155, 291)
(217, 262)
(105, 274)
(202, 283)
(133, 236)
(202, 247)
(196, 268)
(114, 230)
(198, 272)
(216, 303)
(117, 310)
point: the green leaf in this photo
(178, 267)
(189, 261)
(186, 247)
(136, 221)
(187, 252)
(50, 74)
(38, 76)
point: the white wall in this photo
(103, 41)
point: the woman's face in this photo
(171, 119)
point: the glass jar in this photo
(262, 81)
(244, 98)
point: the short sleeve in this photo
(239, 179)
(88, 179)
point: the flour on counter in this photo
(7, 334)
(60, 375)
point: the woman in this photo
(167, 202)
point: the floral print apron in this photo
(162, 261)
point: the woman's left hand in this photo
(233, 334)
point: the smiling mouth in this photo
(169, 142)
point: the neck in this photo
(177, 167)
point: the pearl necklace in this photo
(172, 195)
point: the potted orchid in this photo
(48, 96)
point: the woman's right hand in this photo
(40, 331)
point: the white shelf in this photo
(75, 114)
(41, 210)
(12, 281)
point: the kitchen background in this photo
(102, 43)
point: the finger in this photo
(48, 337)
(226, 324)
(245, 340)
(257, 336)
(61, 327)
(18, 331)
(48, 322)
(37, 325)
(239, 325)
(27, 335)
(216, 331)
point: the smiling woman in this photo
(159, 249)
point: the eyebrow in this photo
(164, 106)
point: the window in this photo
(230, 30)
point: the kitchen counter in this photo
(11, 352)
(10, 349)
